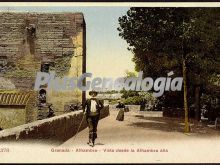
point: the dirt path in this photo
(144, 137)
(147, 134)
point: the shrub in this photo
(135, 100)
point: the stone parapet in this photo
(58, 128)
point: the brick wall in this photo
(28, 40)
(54, 33)
(58, 39)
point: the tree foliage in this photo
(159, 37)
(165, 39)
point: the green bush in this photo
(127, 94)
(135, 100)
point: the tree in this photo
(127, 94)
(130, 74)
(165, 39)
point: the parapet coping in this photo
(27, 127)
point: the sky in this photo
(107, 54)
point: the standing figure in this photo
(42, 97)
(120, 105)
(92, 109)
(142, 105)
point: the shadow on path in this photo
(173, 125)
(99, 144)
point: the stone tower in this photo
(32, 42)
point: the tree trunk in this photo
(185, 97)
(197, 103)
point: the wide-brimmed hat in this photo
(93, 92)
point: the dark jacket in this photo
(87, 106)
(120, 105)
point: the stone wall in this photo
(53, 36)
(30, 40)
(59, 128)
(133, 108)
(12, 117)
(17, 108)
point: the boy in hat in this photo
(92, 109)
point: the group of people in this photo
(92, 110)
